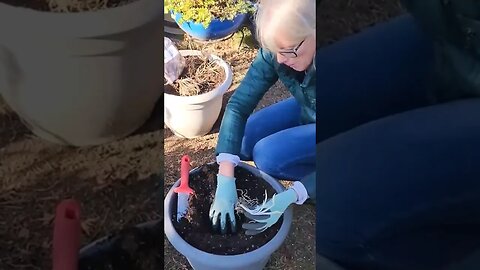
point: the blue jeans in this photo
(278, 144)
(398, 177)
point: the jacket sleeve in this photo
(310, 183)
(258, 80)
(310, 180)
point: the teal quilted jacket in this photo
(263, 73)
(455, 27)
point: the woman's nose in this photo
(281, 59)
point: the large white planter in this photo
(194, 116)
(82, 78)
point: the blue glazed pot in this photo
(216, 30)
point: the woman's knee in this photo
(262, 154)
(265, 122)
(288, 154)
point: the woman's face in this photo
(297, 55)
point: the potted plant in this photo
(79, 72)
(206, 249)
(194, 101)
(209, 19)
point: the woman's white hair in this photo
(294, 18)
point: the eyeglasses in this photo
(291, 53)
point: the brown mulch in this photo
(200, 75)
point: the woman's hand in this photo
(263, 216)
(223, 206)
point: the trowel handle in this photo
(185, 170)
(66, 236)
(184, 175)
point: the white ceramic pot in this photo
(82, 78)
(194, 116)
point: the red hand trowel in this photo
(66, 236)
(183, 191)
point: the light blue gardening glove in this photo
(265, 215)
(223, 205)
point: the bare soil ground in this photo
(336, 19)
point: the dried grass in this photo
(202, 75)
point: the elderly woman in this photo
(280, 139)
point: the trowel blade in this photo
(182, 205)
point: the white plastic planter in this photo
(194, 116)
(200, 260)
(82, 78)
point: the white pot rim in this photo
(218, 91)
(79, 24)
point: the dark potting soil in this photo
(196, 228)
(42, 5)
(199, 76)
(129, 249)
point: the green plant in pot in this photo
(209, 19)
